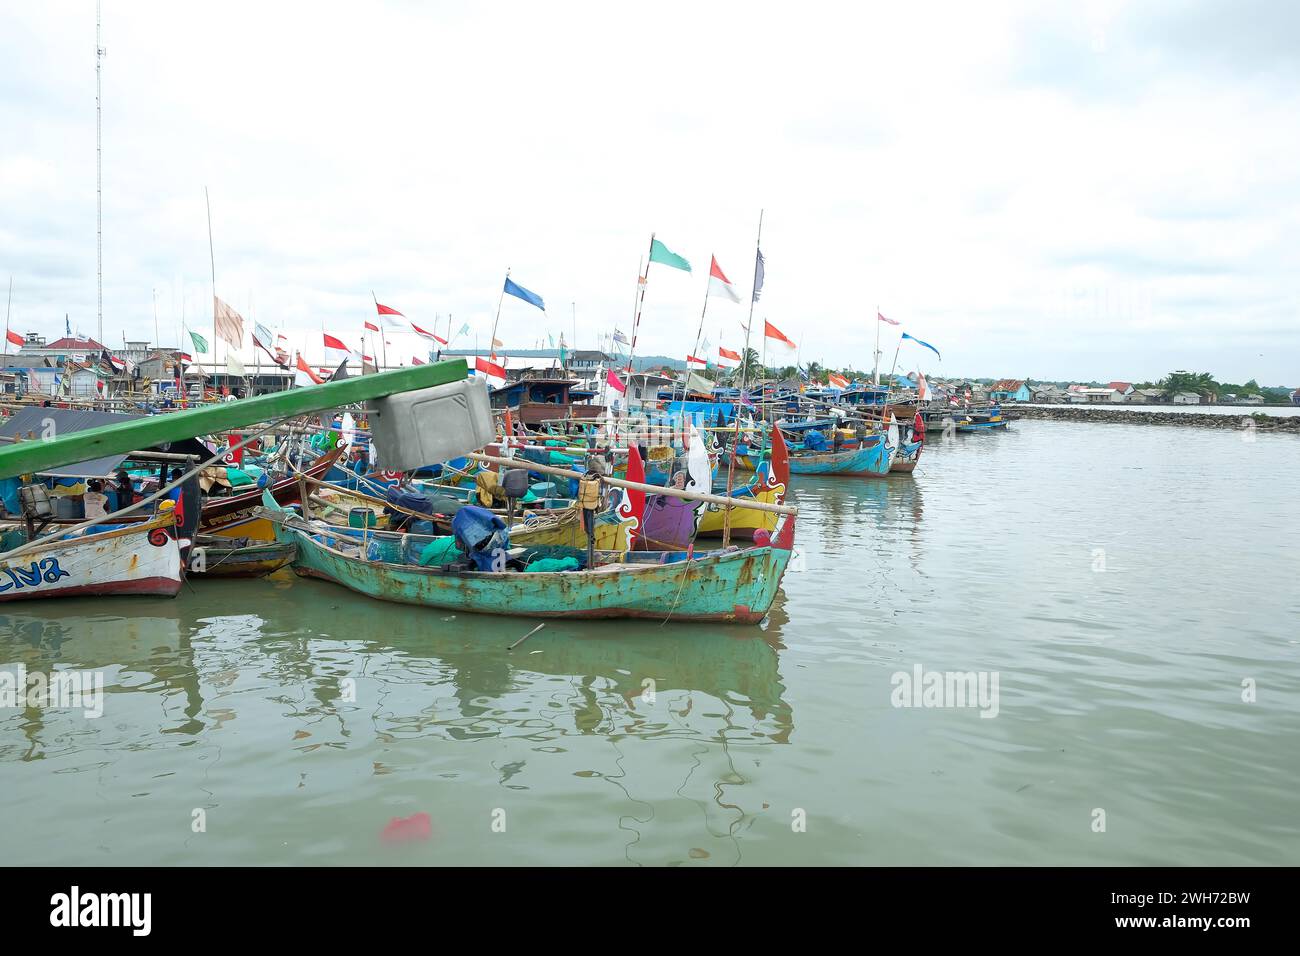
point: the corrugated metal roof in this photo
(66, 421)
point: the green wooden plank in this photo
(29, 457)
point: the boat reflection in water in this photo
(252, 691)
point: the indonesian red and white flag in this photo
(614, 382)
(427, 334)
(693, 362)
(728, 358)
(303, 374)
(418, 361)
(386, 315)
(883, 319)
(495, 374)
(719, 284)
(336, 350)
(922, 387)
(839, 381)
(770, 331)
(121, 364)
(13, 338)
(371, 326)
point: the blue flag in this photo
(519, 292)
(759, 270)
(926, 344)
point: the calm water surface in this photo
(1122, 582)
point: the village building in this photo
(1187, 398)
(1010, 390)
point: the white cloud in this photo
(1084, 192)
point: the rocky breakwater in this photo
(1151, 415)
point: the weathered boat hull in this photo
(971, 427)
(143, 558)
(253, 561)
(231, 516)
(871, 461)
(732, 586)
(905, 458)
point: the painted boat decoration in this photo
(671, 523)
(732, 585)
(218, 557)
(872, 459)
(616, 529)
(905, 459)
(232, 516)
(768, 485)
(139, 558)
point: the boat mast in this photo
(99, 173)
(744, 381)
(875, 371)
(212, 261)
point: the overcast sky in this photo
(1087, 191)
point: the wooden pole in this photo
(123, 437)
(744, 380)
(638, 486)
(497, 320)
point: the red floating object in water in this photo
(418, 826)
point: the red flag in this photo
(770, 331)
(428, 335)
(385, 310)
(496, 374)
(335, 343)
(614, 382)
(371, 327)
(305, 375)
(692, 360)
(14, 338)
(416, 361)
(883, 319)
(727, 356)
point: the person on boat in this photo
(124, 489)
(94, 499)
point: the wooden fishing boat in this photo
(872, 459)
(972, 425)
(214, 556)
(139, 558)
(769, 485)
(732, 585)
(231, 516)
(905, 459)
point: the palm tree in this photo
(751, 367)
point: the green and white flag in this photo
(661, 253)
(200, 343)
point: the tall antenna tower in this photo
(99, 176)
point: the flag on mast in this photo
(14, 338)
(925, 344)
(614, 382)
(495, 374)
(428, 335)
(336, 350)
(519, 292)
(230, 324)
(770, 331)
(303, 375)
(719, 284)
(662, 254)
(922, 387)
(200, 343)
(760, 268)
(728, 358)
(386, 316)
(883, 319)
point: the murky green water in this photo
(1122, 582)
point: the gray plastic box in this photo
(432, 425)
